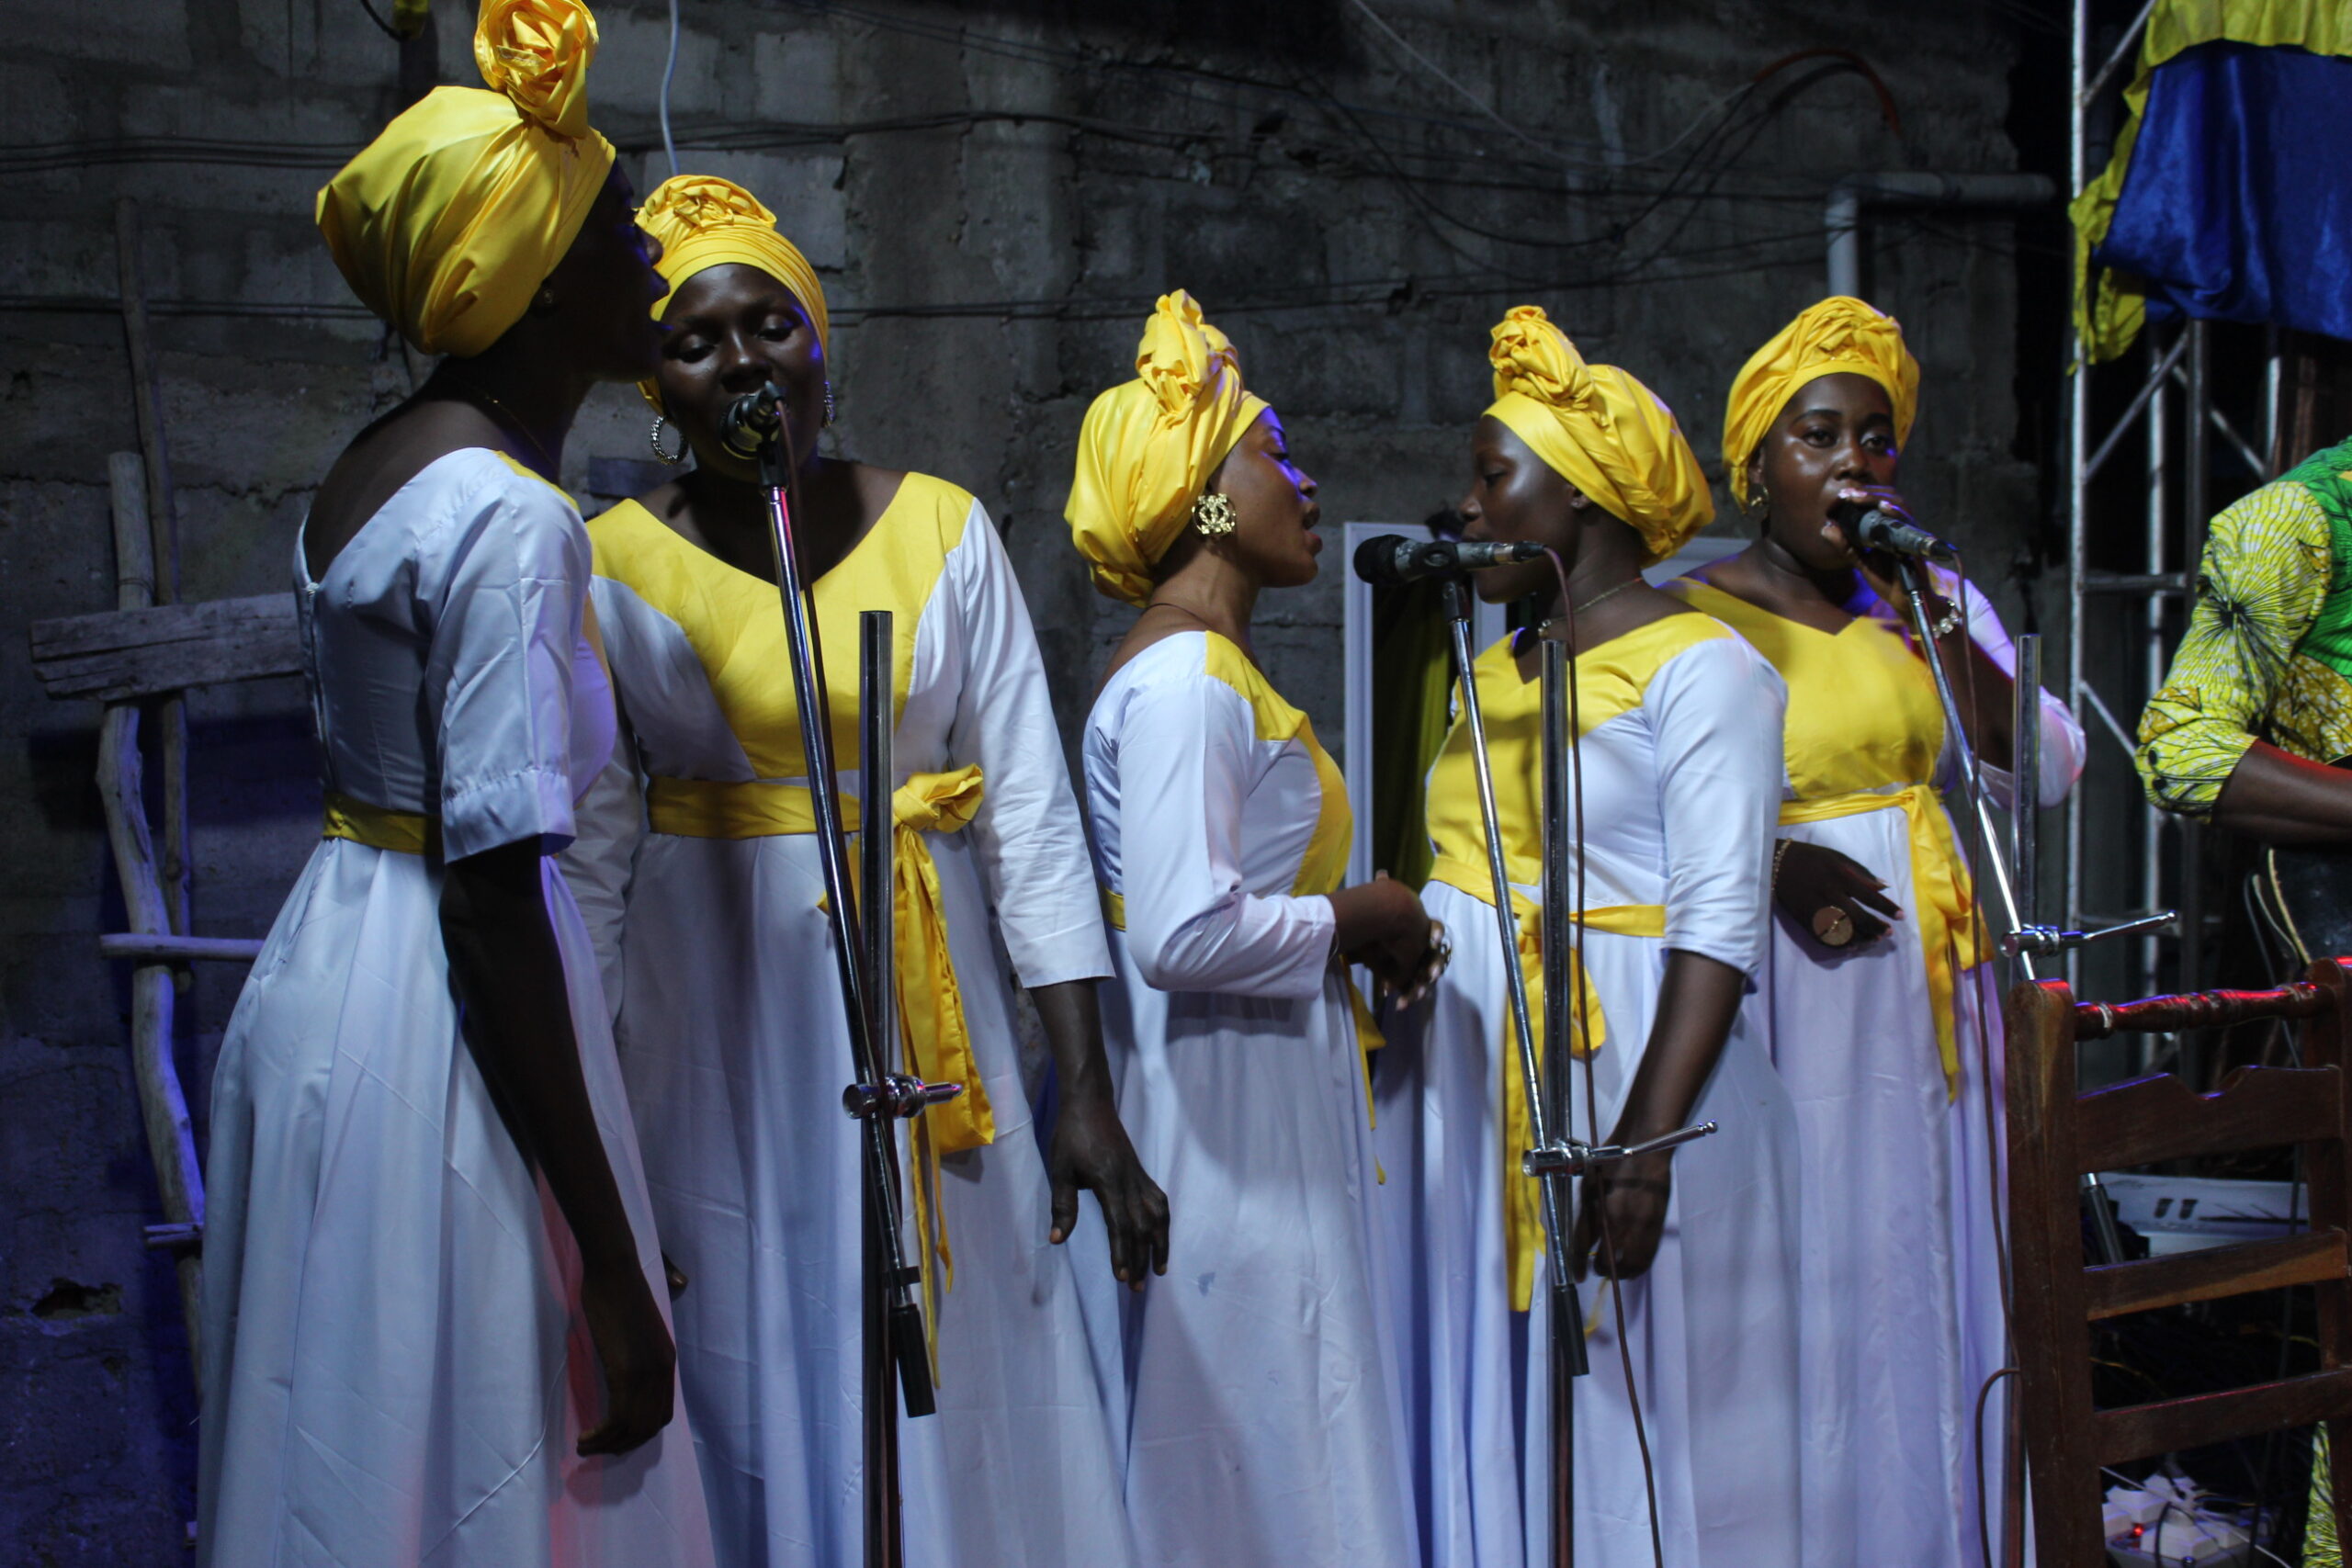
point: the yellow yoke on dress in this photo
(734, 622)
(1611, 682)
(1862, 733)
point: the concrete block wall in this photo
(994, 194)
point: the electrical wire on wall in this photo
(669, 71)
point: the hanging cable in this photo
(1583, 1002)
(669, 70)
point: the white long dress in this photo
(1679, 747)
(396, 1368)
(1900, 1274)
(707, 902)
(1265, 1427)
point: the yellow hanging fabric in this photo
(1943, 898)
(2109, 312)
(935, 1043)
(380, 827)
(1588, 1032)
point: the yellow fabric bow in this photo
(1942, 895)
(1588, 1032)
(1148, 446)
(933, 1040)
(705, 221)
(1599, 429)
(446, 224)
(1836, 335)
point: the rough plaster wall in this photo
(1059, 237)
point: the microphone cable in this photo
(1591, 1091)
(2025, 795)
(669, 70)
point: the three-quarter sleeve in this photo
(1028, 836)
(2259, 588)
(1187, 744)
(504, 607)
(1717, 708)
(2062, 738)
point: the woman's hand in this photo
(1813, 878)
(1881, 571)
(634, 1348)
(1090, 1146)
(1091, 1149)
(1381, 925)
(1632, 1197)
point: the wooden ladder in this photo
(139, 660)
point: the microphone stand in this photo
(1554, 1162)
(877, 1097)
(2023, 941)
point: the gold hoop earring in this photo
(1213, 515)
(654, 441)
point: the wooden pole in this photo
(163, 554)
(162, 1108)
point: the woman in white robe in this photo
(1886, 1024)
(1678, 756)
(1264, 1427)
(698, 870)
(433, 1331)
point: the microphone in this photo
(1877, 530)
(754, 419)
(1393, 557)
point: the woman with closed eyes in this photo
(699, 872)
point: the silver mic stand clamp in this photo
(1569, 1157)
(2048, 941)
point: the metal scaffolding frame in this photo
(2173, 415)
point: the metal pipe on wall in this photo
(1843, 215)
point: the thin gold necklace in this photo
(1549, 621)
(514, 420)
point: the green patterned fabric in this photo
(2269, 651)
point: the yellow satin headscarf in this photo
(1148, 446)
(447, 222)
(705, 221)
(1837, 334)
(1599, 429)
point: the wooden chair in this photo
(2056, 1135)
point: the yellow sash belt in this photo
(1943, 898)
(1588, 1032)
(380, 827)
(934, 1041)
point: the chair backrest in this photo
(2056, 1135)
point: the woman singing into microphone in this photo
(1874, 1002)
(699, 872)
(1265, 1427)
(1679, 756)
(429, 1242)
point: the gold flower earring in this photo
(1213, 515)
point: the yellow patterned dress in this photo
(2268, 654)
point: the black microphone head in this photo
(752, 421)
(1376, 558)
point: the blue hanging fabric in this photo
(2238, 203)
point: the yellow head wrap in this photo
(1837, 334)
(449, 220)
(1148, 446)
(1599, 429)
(704, 221)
